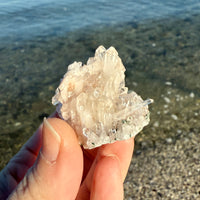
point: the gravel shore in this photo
(169, 170)
(163, 63)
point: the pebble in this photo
(17, 124)
(179, 131)
(168, 83)
(196, 114)
(153, 44)
(165, 111)
(179, 98)
(156, 124)
(134, 84)
(169, 92)
(174, 117)
(189, 173)
(169, 140)
(186, 140)
(165, 106)
(167, 100)
(192, 95)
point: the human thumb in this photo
(57, 172)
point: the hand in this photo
(52, 165)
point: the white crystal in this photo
(93, 99)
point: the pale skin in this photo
(52, 165)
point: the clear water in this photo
(24, 19)
(161, 56)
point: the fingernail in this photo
(51, 142)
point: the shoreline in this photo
(162, 62)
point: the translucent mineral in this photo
(93, 99)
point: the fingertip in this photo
(107, 179)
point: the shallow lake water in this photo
(162, 58)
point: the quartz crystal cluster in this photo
(93, 99)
